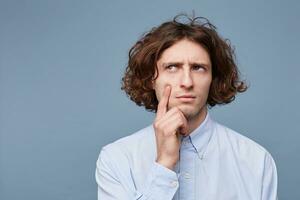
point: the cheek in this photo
(207, 84)
(160, 83)
(204, 85)
(206, 81)
(165, 80)
(158, 87)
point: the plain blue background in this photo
(61, 64)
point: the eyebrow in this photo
(180, 64)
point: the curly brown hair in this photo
(143, 57)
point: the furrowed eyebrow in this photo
(171, 63)
(202, 64)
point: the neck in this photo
(193, 123)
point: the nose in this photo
(186, 79)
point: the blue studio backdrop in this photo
(61, 64)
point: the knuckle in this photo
(174, 110)
(156, 125)
(181, 122)
(182, 118)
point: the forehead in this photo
(185, 51)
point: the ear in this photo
(152, 84)
(154, 75)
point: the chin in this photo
(189, 112)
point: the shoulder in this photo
(117, 159)
(238, 140)
(244, 148)
(127, 143)
(126, 149)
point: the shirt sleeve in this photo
(161, 182)
(269, 183)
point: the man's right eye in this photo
(171, 67)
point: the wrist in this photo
(168, 164)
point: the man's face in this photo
(186, 67)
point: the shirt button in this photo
(174, 183)
(187, 175)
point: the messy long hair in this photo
(143, 57)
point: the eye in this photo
(198, 68)
(171, 67)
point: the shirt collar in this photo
(200, 137)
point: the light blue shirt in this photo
(216, 163)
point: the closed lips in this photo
(186, 96)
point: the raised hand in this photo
(168, 125)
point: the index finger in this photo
(163, 104)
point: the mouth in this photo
(186, 98)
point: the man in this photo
(178, 70)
